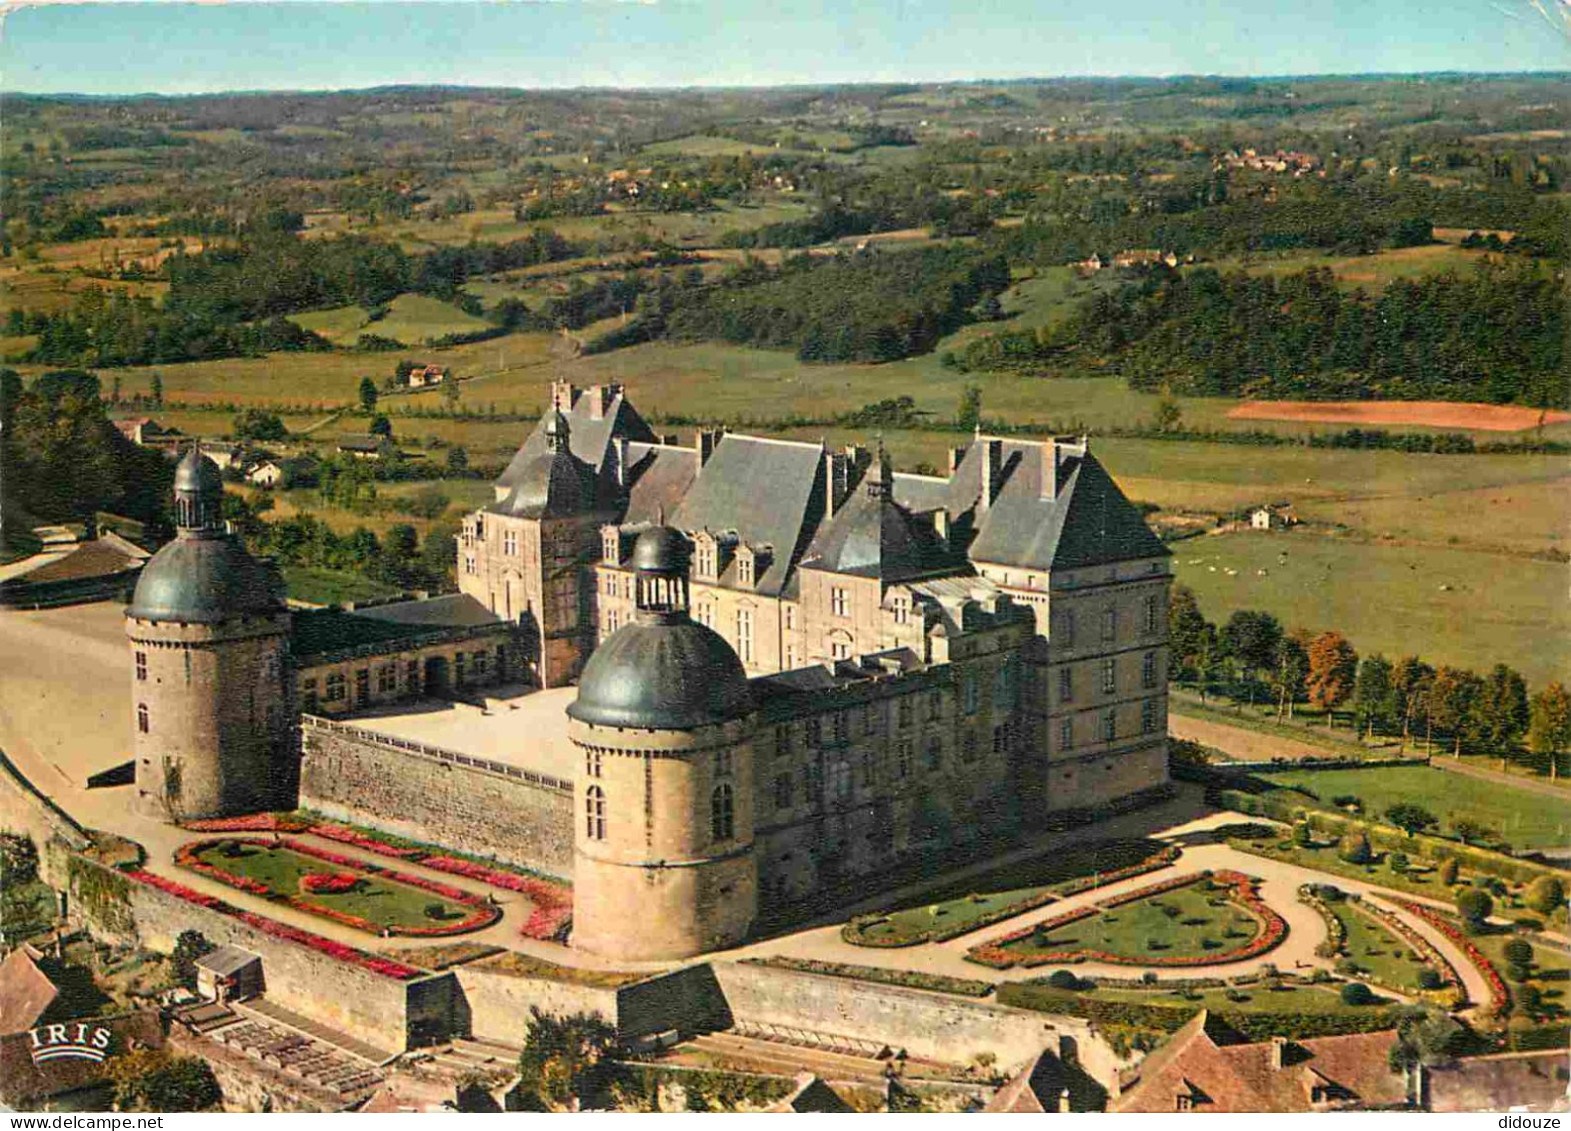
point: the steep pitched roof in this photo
(589, 439)
(26, 992)
(658, 477)
(872, 535)
(1066, 517)
(812, 1095)
(769, 491)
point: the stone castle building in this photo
(796, 670)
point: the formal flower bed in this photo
(480, 914)
(324, 883)
(1242, 891)
(1499, 996)
(549, 919)
(855, 932)
(1336, 934)
(385, 967)
(1452, 994)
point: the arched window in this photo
(722, 818)
(142, 722)
(594, 813)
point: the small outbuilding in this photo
(229, 973)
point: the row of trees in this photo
(1407, 699)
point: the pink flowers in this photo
(481, 914)
(553, 903)
(997, 953)
(1499, 996)
(361, 840)
(382, 966)
(323, 883)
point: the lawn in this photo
(463, 495)
(1261, 999)
(1375, 950)
(375, 899)
(1550, 970)
(1525, 819)
(1188, 922)
(988, 895)
(331, 586)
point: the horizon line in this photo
(1085, 76)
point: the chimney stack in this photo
(836, 480)
(1278, 1051)
(1063, 1101)
(956, 455)
(991, 463)
(563, 395)
(708, 441)
(621, 462)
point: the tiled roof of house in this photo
(1535, 1081)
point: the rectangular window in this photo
(1148, 670)
(510, 543)
(970, 691)
(839, 605)
(842, 727)
(1148, 717)
(387, 679)
(935, 753)
(1067, 628)
(1066, 685)
(1066, 734)
(744, 570)
(840, 780)
(1153, 608)
(839, 650)
(815, 733)
(592, 763)
(460, 672)
(968, 749)
(412, 677)
(143, 720)
(478, 664)
(903, 759)
(362, 685)
(790, 657)
(790, 617)
(308, 695)
(814, 781)
(335, 687)
(469, 564)
(1000, 739)
(141, 666)
(1109, 625)
(902, 610)
(1109, 725)
(744, 635)
(903, 712)
(935, 705)
(1109, 676)
(785, 791)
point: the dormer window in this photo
(706, 556)
(611, 547)
(744, 566)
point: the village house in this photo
(423, 376)
(368, 447)
(1273, 516)
(146, 432)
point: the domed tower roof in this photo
(663, 670)
(553, 484)
(205, 574)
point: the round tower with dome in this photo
(664, 866)
(210, 680)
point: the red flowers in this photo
(383, 966)
(553, 903)
(1273, 929)
(1499, 996)
(481, 914)
(323, 883)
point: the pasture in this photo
(411, 319)
(1462, 607)
(1372, 272)
(1400, 414)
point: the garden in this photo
(1196, 920)
(1375, 946)
(318, 882)
(1007, 892)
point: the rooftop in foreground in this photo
(518, 727)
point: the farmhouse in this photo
(1274, 516)
(148, 433)
(422, 376)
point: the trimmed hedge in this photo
(1257, 1026)
(939, 983)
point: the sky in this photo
(134, 47)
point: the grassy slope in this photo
(1525, 819)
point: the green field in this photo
(1175, 924)
(1371, 272)
(411, 319)
(1550, 971)
(1525, 819)
(375, 899)
(331, 586)
(1450, 606)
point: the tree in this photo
(190, 946)
(158, 391)
(381, 426)
(457, 460)
(1287, 676)
(1411, 681)
(1451, 699)
(1449, 870)
(1374, 695)
(1333, 671)
(259, 424)
(1519, 952)
(968, 416)
(563, 1056)
(1500, 710)
(1251, 638)
(1186, 628)
(368, 394)
(1545, 895)
(148, 1080)
(1469, 831)
(1411, 818)
(1475, 907)
(1356, 993)
(1354, 848)
(1549, 726)
(1168, 411)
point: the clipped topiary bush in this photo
(1430, 979)
(1063, 980)
(1354, 848)
(1356, 993)
(1519, 952)
(1545, 894)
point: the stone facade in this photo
(213, 725)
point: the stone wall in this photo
(249, 1085)
(935, 1026)
(497, 1004)
(355, 778)
(384, 1012)
(689, 1000)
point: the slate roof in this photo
(322, 631)
(658, 477)
(552, 485)
(449, 610)
(227, 961)
(588, 439)
(1086, 521)
(872, 535)
(1202, 1061)
(26, 993)
(770, 492)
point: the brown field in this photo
(1430, 414)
